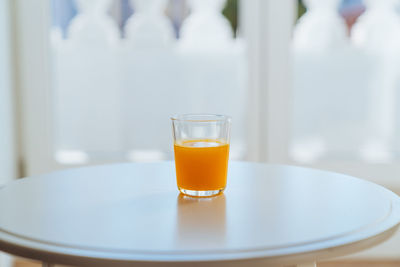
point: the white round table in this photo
(133, 215)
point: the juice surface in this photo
(201, 164)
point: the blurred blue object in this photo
(62, 13)
(350, 4)
(126, 12)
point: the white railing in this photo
(345, 85)
(113, 96)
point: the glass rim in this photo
(200, 117)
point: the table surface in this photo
(123, 213)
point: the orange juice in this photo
(201, 164)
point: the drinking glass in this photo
(201, 146)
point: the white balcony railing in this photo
(345, 84)
(113, 96)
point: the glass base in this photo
(206, 193)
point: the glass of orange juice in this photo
(201, 146)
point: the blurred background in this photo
(312, 83)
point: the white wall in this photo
(7, 155)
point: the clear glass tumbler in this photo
(201, 145)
